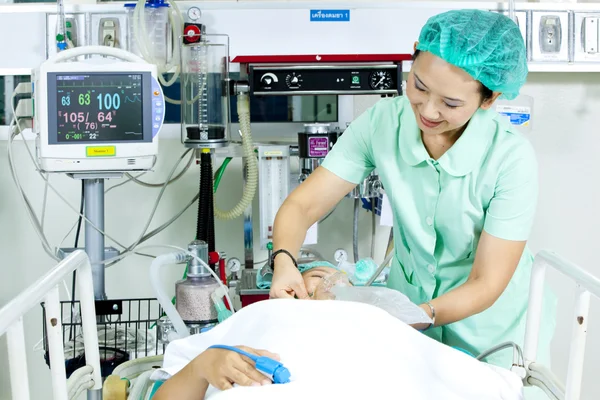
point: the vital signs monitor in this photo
(99, 114)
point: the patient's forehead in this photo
(323, 269)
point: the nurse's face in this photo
(443, 97)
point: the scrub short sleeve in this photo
(351, 157)
(512, 209)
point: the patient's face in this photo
(315, 276)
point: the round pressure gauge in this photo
(381, 80)
(194, 13)
(234, 265)
(340, 255)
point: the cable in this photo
(220, 172)
(140, 386)
(30, 212)
(76, 244)
(517, 352)
(154, 185)
(272, 368)
(541, 376)
(124, 182)
(373, 227)
(44, 203)
(159, 197)
(355, 229)
(169, 222)
(33, 216)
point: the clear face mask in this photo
(323, 291)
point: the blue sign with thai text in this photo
(330, 15)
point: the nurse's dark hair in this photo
(486, 93)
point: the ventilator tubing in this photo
(161, 295)
(243, 107)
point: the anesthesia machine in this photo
(298, 76)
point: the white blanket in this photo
(343, 350)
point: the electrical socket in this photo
(109, 24)
(587, 37)
(550, 34)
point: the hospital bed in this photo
(531, 372)
(46, 289)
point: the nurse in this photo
(461, 181)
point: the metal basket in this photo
(126, 330)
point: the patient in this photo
(333, 349)
(315, 273)
(222, 368)
(319, 276)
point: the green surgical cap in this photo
(487, 45)
(315, 264)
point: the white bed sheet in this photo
(343, 350)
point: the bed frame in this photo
(88, 377)
(587, 285)
(46, 289)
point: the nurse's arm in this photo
(307, 204)
(495, 263)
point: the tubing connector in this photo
(200, 249)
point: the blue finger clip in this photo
(273, 369)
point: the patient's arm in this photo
(495, 263)
(221, 368)
(187, 384)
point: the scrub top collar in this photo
(462, 157)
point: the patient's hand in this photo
(223, 368)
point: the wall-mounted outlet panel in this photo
(550, 36)
(109, 30)
(587, 37)
(75, 30)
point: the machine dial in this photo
(340, 255)
(293, 80)
(268, 79)
(381, 80)
(194, 13)
(234, 265)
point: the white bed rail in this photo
(586, 284)
(46, 289)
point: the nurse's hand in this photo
(287, 282)
(224, 368)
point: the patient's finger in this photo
(223, 384)
(252, 373)
(240, 377)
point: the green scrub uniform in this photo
(486, 180)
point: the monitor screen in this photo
(97, 107)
